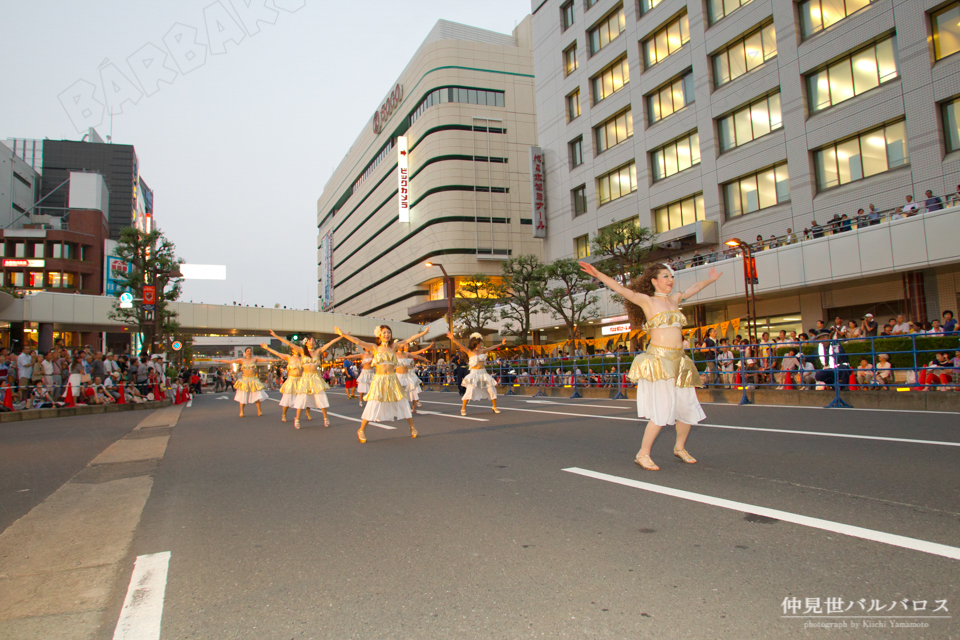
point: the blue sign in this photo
(116, 276)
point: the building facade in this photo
(441, 174)
(19, 189)
(709, 120)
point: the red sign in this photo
(538, 201)
(149, 294)
(16, 262)
(387, 108)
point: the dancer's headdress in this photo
(669, 269)
(477, 335)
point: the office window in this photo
(38, 250)
(618, 183)
(679, 214)
(608, 30)
(590, 3)
(751, 122)
(817, 15)
(864, 70)
(614, 131)
(951, 124)
(757, 191)
(946, 30)
(570, 59)
(16, 278)
(67, 280)
(579, 197)
(3, 248)
(676, 156)
(582, 246)
(464, 95)
(573, 105)
(576, 153)
(646, 5)
(717, 9)
(666, 41)
(745, 55)
(566, 15)
(670, 98)
(862, 156)
(611, 79)
(19, 250)
(54, 280)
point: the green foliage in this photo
(622, 249)
(570, 294)
(523, 282)
(475, 304)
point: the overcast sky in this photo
(238, 149)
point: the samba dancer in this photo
(312, 387)
(666, 377)
(366, 372)
(249, 388)
(291, 386)
(386, 400)
(478, 383)
(407, 376)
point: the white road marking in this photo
(793, 406)
(450, 415)
(143, 606)
(222, 398)
(375, 424)
(190, 403)
(722, 426)
(585, 404)
(914, 544)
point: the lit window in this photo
(718, 9)
(617, 184)
(679, 214)
(670, 98)
(614, 131)
(576, 153)
(817, 15)
(436, 291)
(676, 156)
(751, 122)
(573, 105)
(745, 55)
(583, 247)
(861, 72)
(570, 59)
(608, 30)
(757, 191)
(16, 278)
(666, 41)
(579, 196)
(611, 79)
(946, 30)
(646, 5)
(862, 156)
(36, 280)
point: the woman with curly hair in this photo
(479, 384)
(666, 377)
(387, 399)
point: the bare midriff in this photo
(401, 370)
(667, 337)
(309, 368)
(385, 369)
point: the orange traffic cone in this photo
(853, 381)
(68, 395)
(7, 396)
(123, 395)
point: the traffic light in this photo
(294, 337)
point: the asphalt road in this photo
(503, 526)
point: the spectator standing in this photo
(710, 350)
(834, 224)
(949, 324)
(725, 361)
(816, 229)
(910, 208)
(97, 370)
(902, 327)
(846, 224)
(873, 216)
(932, 203)
(955, 197)
(853, 331)
(47, 366)
(868, 327)
(791, 236)
(24, 372)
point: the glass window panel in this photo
(753, 46)
(628, 120)
(622, 20)
(604, 185)
(849, 161)
(633, 176)
(689, 94)
(17, 279)
(38, 250)
(618, 80)
(896, 135)
(676, 215)
(721, 68)
(659, 165)
(695, 148)
(607, 84)
(621, 128)
(56, 251)
(855, 5)
(774, 107)
(729, 6)
(767, 188)
(832, 11)
(743, 126)
(715, 10)
(826, 161)
(649, 53)
(654, 106)
(660, 45)
(738, 61)
(663, 219)
(873, 147)
(769, 41)
(732, 197)
(810, 18)
(689, 211)
(701, 212)
(783, 183)
(472, 96)
(676, 92)
(951, 127)
(887, 59)
(865, 71)
(18, 250)
(946, 31)
(670, 160)
(748, 194)
(818, 87)
(500, 101)
(841, 82)
(761, 118)
(684, 157)
(684, 29)
(728, 138)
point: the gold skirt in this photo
(664, 363)
(311, 384)
(290, 385)
(386, 388)
(249, 384)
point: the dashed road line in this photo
(143, 606)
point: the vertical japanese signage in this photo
(326, 271)
(149, 297)
(403, 179)
(538, 194)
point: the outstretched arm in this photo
(292, 346)
(414, 353)
(326, 346)
(635, 297)
(413, 338)
(266, 359)
(276, 353)
(360, 343)
(457, 344)
(493, 348)
(698, 286)
(420, 358)
(236, 361)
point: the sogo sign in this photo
(387, 108)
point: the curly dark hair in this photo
(472, 345)
(642, 284)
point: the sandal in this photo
(495, 410)
(683, 455)
(413, 432)
(326, 421)
(646, 463)
(296, 423)
(463, 412)
(362, 438)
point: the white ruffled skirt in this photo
(480, 385)
(314, 401)
(249, 397)
(364, 380)
(666, 386)
(411, 383)
(374, 411)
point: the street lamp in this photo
(448, 292)
(749, 274)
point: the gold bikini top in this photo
(665, 319)
(385, 358)
(309, 360)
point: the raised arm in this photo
(360, 343)
(457, 344)
(415, 353)
(493, 348)
(266, 360)
(234, 361)
(326, 346)
(282, 356)
(292, 346)
(635, 297)
(698, 286)
(416, 357)
(413, 338)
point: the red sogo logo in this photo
(387, 108)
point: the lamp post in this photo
(448, 292)
(748, 288)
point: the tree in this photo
(153, 260)
(570, 294)
(523, 282)
(622, 249)
(475, 305)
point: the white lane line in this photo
(584, 404)
(143, 606)
(450, 415)
(793, 406)
(723, 426)
(914, 544)
(375, 424)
